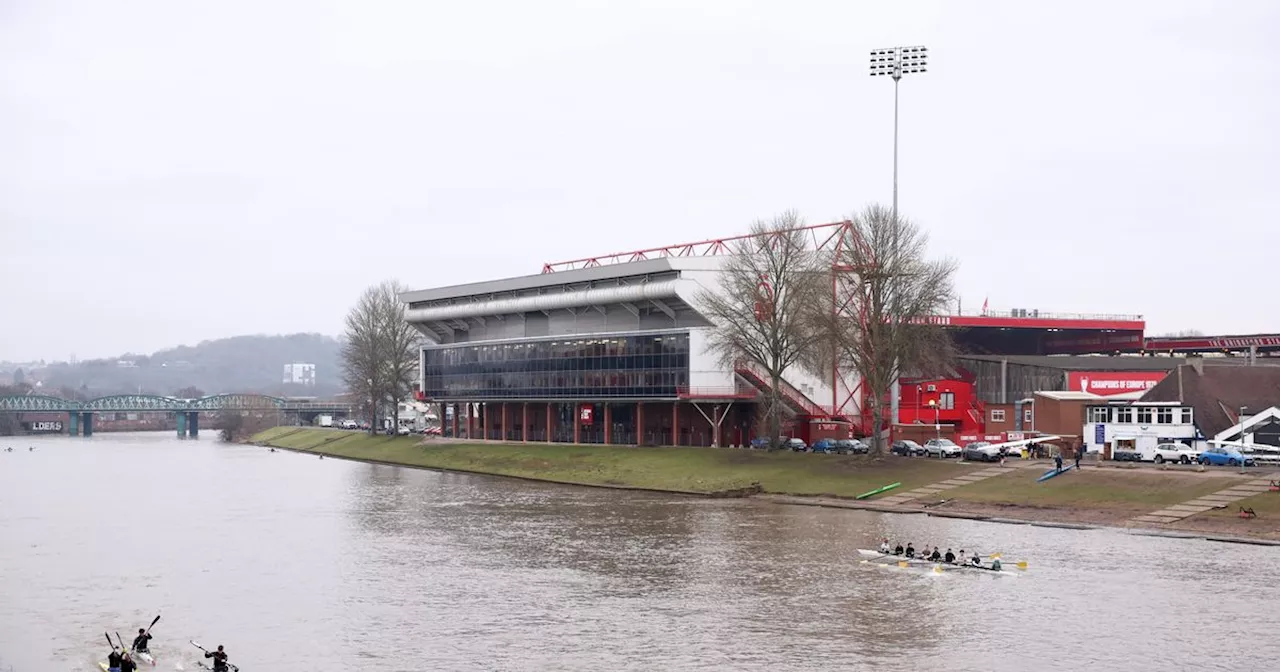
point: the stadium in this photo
(612, 349)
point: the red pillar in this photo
(608, 423)
(524, 422)
(456, 410)
(675, 423)
(550, 423)
(502, 421)
(577, 423)
(470, 422)
(639, 423)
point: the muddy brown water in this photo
(296, 563)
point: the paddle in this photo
(113, 644)
(148, 630)
(197, 645)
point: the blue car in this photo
(1218, 455)
(825, 446)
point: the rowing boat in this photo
(145, 657)
(923, 562)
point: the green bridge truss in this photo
(145, 402)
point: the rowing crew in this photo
(949, 558)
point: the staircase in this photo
(794, 399)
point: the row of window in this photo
(998, 415)
(614, 384)
(1140, 415)
(555, 350)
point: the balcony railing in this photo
(686, 392)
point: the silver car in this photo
(941, 448)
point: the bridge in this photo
(187, 411)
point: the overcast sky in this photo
(176, 171)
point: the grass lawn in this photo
(1090, 488)
(670, 468)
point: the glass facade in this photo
(603, 367)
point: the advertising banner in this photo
(1113, 382)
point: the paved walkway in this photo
(941, 486)
(1219, 499)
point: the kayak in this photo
(202, 664)
(145, 657)
(1054, 472)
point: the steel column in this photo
(86, 422)
(193, 424)
(608, 421)
(639, 423)
(550, 423)
(182, 424)
(675, 423)
(577, 422)
(73, 423)
(502, 421)
(524, 422)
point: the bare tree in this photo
(379, 350)
(401, 341)
(762, 313)
(888, 282)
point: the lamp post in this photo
(896, 62)
(937, 421)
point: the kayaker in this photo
(219, 659)
(935, 555)
(126, 663)
(949, 558)
(113, 661)
(140, 642)
(897, 550)
(911, 550)
(884, 546)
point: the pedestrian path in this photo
(1221, 498)
(942, 486)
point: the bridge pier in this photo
(193, 424)
(182, 424)
(73, 423)
(86, 420)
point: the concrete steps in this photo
(1191, 507)
(941, 486)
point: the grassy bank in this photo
(1093, 496)
(678, 469)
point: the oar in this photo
(121, 640)
(113, 644)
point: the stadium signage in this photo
(1113, 382)
(54, 426)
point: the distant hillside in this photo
(238, 364)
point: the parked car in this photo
(941, 448)
(826, 446)
(1219, 455)
(852, 447)
(906, 448)
(350, 424)
(404, 430)
(797, 445)
(1126, 455)
(760, 442)
(1172, 452)
(982, 451)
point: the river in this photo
(300, 564)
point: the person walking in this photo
(1057, 460)
(1079, 453)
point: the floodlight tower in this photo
(896, 62)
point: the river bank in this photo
(1090, 497)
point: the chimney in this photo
(1197, 363)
